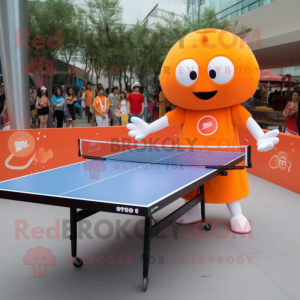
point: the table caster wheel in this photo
(206, 227)
(77, 262)
(145, 284)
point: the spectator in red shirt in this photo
(290, 112)
(135, 102)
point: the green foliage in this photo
(44, 19)
(99, 36)
(105, 21)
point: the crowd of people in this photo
(99, 107)
(285, 101)
(118, 107)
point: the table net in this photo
(220, 157)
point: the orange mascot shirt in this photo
(207, 75)
(214, 128)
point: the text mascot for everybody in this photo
(207, 75)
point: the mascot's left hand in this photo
(265, 141)
(139, 129)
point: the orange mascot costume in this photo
(207, 75)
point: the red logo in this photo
(207, 125)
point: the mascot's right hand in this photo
(138, 128)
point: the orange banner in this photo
(281, 165)
(26, 152)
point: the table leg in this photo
(77, 262)
(146, 253)
(206, 226)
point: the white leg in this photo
(238, 222)
(192, 216)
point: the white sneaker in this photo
(239, 224)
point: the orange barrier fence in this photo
(281, 165)
(26, 152)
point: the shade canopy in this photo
(268, 76)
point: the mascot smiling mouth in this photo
(206, 95)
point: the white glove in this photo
(140, 129)
(265, 141)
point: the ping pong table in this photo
(94, 186)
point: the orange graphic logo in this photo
(280, 161)
(207, 125)
(22, 144)
(42, 155)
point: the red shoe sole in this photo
(242, 232)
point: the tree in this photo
(141, 47)
(49, 22)
(209, 20)
(173, 29)
(86, 37)
(104, 17)
(70, 41)
(124, 60)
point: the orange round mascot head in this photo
(209, 69)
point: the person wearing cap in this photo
(135, 102)
(43, 106)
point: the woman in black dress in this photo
(71, 107)
(43, 106)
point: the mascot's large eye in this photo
(187, 72)
(220, 70)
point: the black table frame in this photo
(89, 208)
(150, 231)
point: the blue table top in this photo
(115, 182)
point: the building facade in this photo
(152, 10)
(275, 36)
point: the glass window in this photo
(219, 16)
(234, 8)
(233, 15)
(154, 12)
(253, 6)
(247, 2)
(244, 10)
(225, 4)
(235, 1)
(225, 12)
(263, 2)
(216, 5)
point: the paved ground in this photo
(264, 265)
(81, 122)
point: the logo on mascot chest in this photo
(207, 125)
